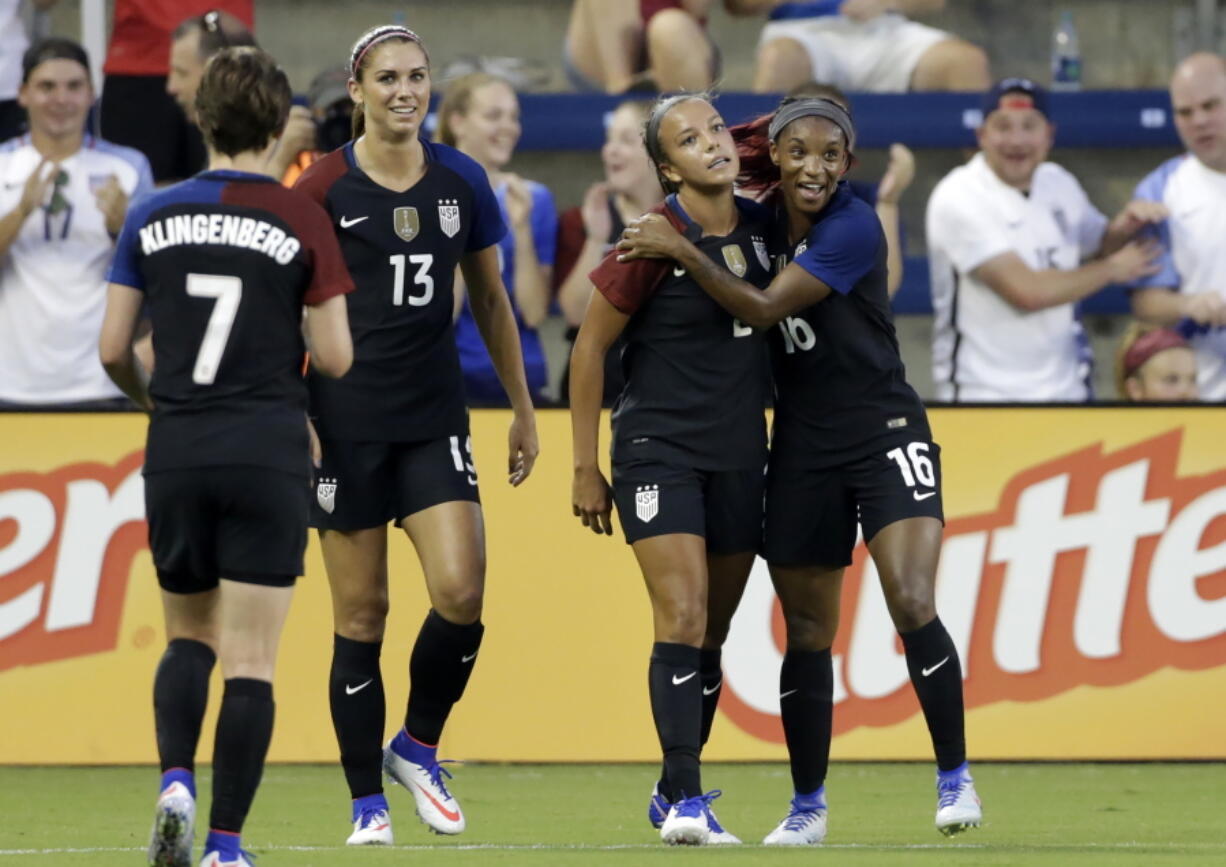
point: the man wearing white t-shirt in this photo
(1192, 282)
(63, 197)
(1008, 234)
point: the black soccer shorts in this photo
(366, 484)
(655, 498)
(811, 514)
(244, 524)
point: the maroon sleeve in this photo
(571, 238)
(329, 273)
(627, 285)
(321, 175)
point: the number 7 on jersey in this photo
(228, 292)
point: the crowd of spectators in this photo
(1014, 243)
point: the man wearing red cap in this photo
(1013, 242)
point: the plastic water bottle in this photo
(1065, 55)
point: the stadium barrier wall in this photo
(1083, 579)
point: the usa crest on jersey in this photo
(449, 216)
(406, 223)
(646, 502)
(759, 248)
(325, 493)
(734, 258)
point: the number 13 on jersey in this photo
(421, 278)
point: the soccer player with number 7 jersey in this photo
(224, 263)
(394, 432)
(850, 440)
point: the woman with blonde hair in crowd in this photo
(479, 116)
(1155, 365)
(587, 232)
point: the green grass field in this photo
(595, 814)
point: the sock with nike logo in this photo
(180, 694)
(712, 676)
(676, 706)
(439, 669)
(244, 730)
(359, 711)
(806, 707)
(936, 674)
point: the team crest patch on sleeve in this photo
(734, 258)
(759, 248)
(406, 223)
(647, 501)
(449, 216)
(325, 493)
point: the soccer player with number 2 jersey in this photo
(224, 264)
(850, 439)
(394, 432)
(689, 440)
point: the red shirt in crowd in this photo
(140, 35)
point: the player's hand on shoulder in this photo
(524, 445)
(592, 500)
(34, 195)
(112, 201)
(650, 236)
(519, 201)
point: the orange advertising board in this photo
(1083, 580)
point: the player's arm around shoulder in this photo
(495, 321)
(326, 322)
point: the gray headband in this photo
(814, 107)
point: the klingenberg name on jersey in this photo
(229, 229)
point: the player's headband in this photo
(814, 107)
(381, 34)
(651, 133)
(1016, 93)
(1148, 345)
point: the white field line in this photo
(583, 847)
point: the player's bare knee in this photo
(364, 621)
(684, 624)
(911, 607)
(461, 603)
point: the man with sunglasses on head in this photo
(194, 43)
(63, 198)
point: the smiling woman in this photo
(394, 432)
(689, 439)
(850, 446)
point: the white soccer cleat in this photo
(170, 844)
(804, 826)
(372, 828)
(435, 805)
(686, 823)
(958, 806)
(719, 835)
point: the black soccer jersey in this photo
(402, 250)
(695, 377)
(226, 260)
(840, 386)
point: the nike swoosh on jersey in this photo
(918, 496)
(927, 671)
(712, 690)
(453, 815)
(346, 222)
(351, 690)
(677, 681)
(784, 695)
